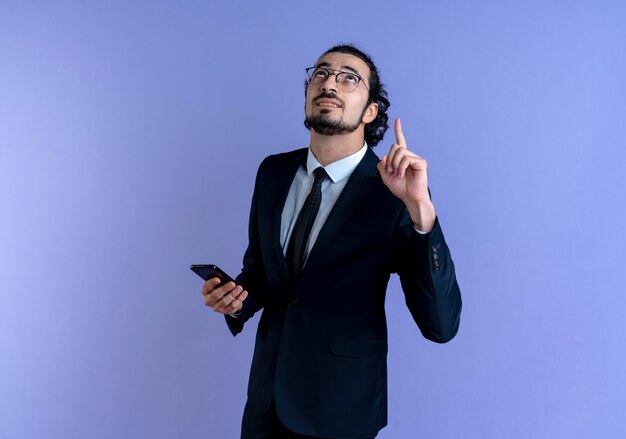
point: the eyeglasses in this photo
(346, 81)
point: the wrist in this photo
(423, 215)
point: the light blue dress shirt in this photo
(338, 171)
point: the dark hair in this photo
(375, 130)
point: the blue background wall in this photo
(130, 136)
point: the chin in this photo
(326, 116)
(329, 126)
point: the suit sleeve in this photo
(252, 273)
(428, 279)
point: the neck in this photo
(328, 149)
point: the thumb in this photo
(382, 166)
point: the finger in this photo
(232, 308)
(229, 286)
(418, 165)
(405, 163)
(218, 293)
(382, 165)
(400, 140)
(237, 304)
(228, 298)
(210, 285)
(382, 169)
(214, 297)
(241, 295)
(391, 157)
(220, 305)
(400, 154)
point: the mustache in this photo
(327, 95)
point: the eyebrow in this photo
(325, 64)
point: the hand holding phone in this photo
(219, 290)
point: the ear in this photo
(370, 113)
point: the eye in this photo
(319, 74)
(349, 78)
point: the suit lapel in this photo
(357, 187)
(278, 197)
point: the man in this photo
(328, 225)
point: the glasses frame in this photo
(310, 70)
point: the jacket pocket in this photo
(357, 347)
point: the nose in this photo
(330, 83)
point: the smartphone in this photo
(208, 271)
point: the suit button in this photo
(295, 301)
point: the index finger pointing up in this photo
(399, 135)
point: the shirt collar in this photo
(339, 169)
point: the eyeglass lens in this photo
(346, 81)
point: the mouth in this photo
(327, 102)
(327, 105)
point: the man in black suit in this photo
(328, 226)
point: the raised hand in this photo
(405, 174)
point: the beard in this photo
(326, 125)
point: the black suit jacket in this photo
(321, 343)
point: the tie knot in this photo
(320, 174)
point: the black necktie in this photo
(304, 224)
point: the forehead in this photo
(345, 61)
